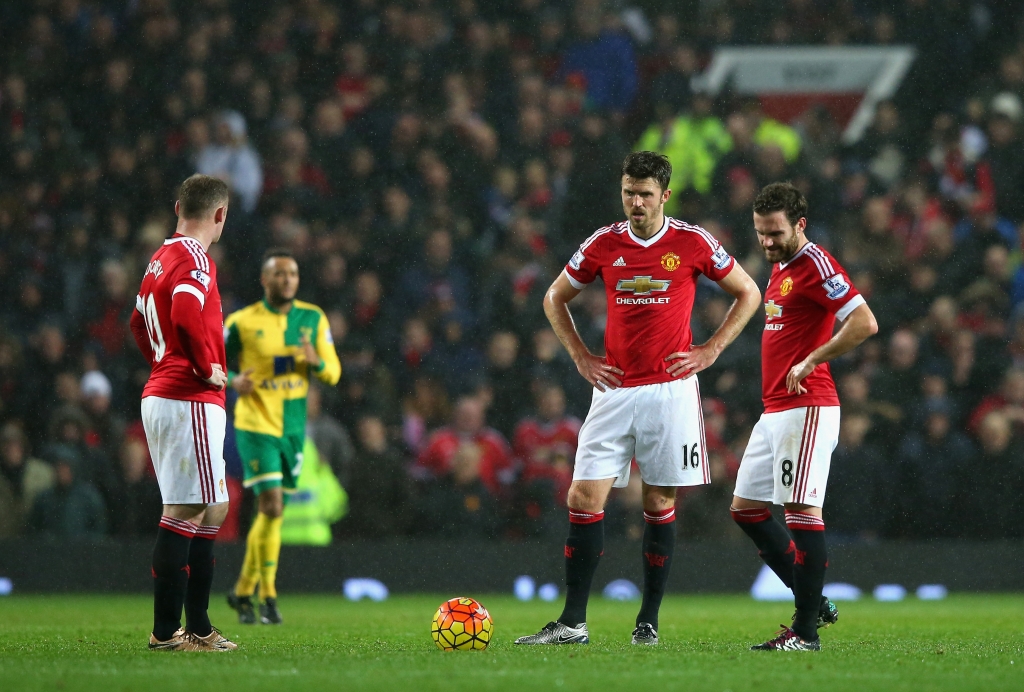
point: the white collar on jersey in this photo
(171, 241)
(783, 265)
(650, 241)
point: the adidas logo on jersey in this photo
(619, 262)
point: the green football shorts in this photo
(268, 461)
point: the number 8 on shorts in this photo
(788, 457)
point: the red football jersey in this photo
(181, 266)
(438, 456)
(650, 286)
(537, 443)
(548, 450)
(804, 297)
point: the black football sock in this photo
(658, 545)
(583, 550)
(773, 541)
(809, 562)
(200, 579)
(170, 575)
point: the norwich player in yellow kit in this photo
(277, 343)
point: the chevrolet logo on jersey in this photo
(642, 285)
(772, 310)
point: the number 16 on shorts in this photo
(691, 456)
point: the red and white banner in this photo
(849, 82)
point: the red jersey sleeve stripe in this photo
(198, 254)
(597, 234)
(818, 265)
(824, 259)
(201, 255)
(708, 238)
(826, 262)
(821, 262)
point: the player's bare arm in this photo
(700, 357)
(594, 369)
(856, 329)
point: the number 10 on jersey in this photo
(156, 334)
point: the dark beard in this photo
(787, 251)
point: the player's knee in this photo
(583, 498)
(658, 503)
(658, 499)
(805, 509)
(273, 510)
(743, 503)
(214, 515)
(271, 503)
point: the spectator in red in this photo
(545, 444)
(353, 85)
(468, 442)
(715, 422)
(110, 313)
(295, 173)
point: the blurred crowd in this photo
(433, 164)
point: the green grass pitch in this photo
(329, 644)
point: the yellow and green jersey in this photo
(267, 341)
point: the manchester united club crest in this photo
(670, 261)
(787, 286)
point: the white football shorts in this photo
(788, 456)
(661, 425)
(186, 442)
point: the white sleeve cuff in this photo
(140, 305)
(188, 288)
(575, 284)
(850, 306)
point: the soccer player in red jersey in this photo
(646, 402)
(787, 458)
(179, 327)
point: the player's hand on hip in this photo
(691, 362)
(219, 378)
(797, 373)
(312, 358)
(242, 383)
(599, 373)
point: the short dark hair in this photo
(199, 195)
(274, 253)
(648, 164)
(781, 197)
